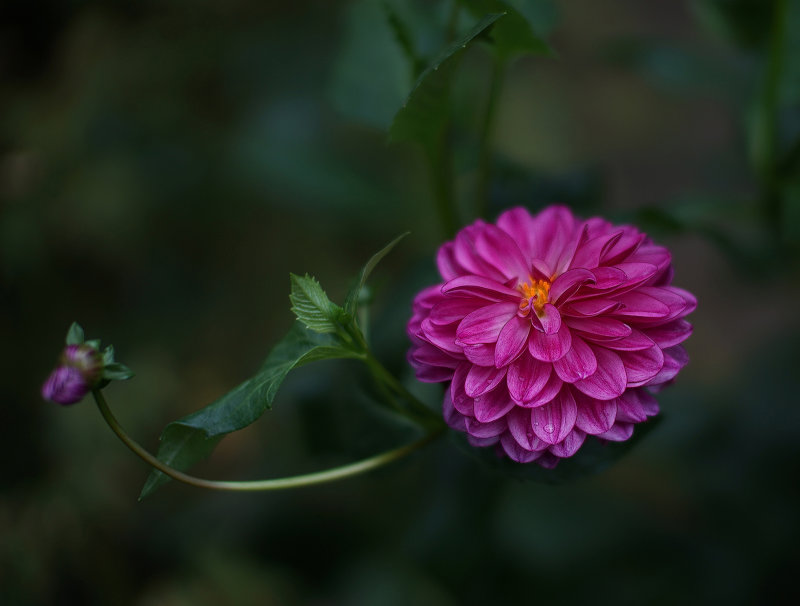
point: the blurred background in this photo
(164, 166)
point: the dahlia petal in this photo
(499, 249)
(548, 320)
(635, 405)
(458, 396)
(482, 442)
(446, 262)
(481, 379)
(484, 325)
(467, 255)
(555, 420)
(603, 328)
(595, 416)
(477, 286)
(589, 254)
(548, 392)
(636, 273)
(519, 224)
(516, 452)
(688, 298)
(548, 460)
(588, 308)
(579, 362)
(511, 341)
(609, 380)
(452, 417)
(492, 429)
(492, 405)
(569, 282)
(669, 334)
(675, 358)
(623, 248)
(520, 427)
(607, 278)
(433, 374)
(653, 254)
(569, 445)
(443, 337)
(427, 354)
(641, 366)
(526, 378)
(636, 341)
(549, 348)
(567, 255)
(619, 433)
(552, 230)
(640, 305)
(481, 354)
(453, 309)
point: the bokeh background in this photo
(164, 166)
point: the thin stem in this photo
(310, 479)
(484, 153)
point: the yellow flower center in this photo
(534, 293)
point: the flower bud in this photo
(79, 371)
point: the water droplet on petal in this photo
(549, 428)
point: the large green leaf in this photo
(512, 36)
(351, 304)
(188, 440)
(426, 111)
(313, 307)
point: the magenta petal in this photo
(477, 286)
(590, 307)
(428, 355)
(588, 255)
(467, 255)
(595, 416)
(511, 341)
(579, 362)
(619, 433)
(499, 249)
(637, 273)
(569, 445)
(604, 328)
(607, 278)
(443, 337)
(484, 325)
(670, 334)
(549, 391)
(675, 358)
(481, 379)
(493, 405)
(638, 304)
(449, 268)
(549, 319)
(520, 426)
(452, 417)
(569, 282)
(641, 366)
(609, 380)
(552, 230)
(635, 405)
(636, 341)
(433, 374)
(519, 224)
(481, 354)
(554, 421)
(549, 348)
(461, 401)
(622, 248)
(454, 309)
(526, 378)
(486, 430)
(516, 452)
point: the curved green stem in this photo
(310, 479)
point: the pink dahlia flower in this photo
(549, 329)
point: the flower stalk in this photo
(311, 479)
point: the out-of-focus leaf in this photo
(371, 74)
(351, 303)
(541, 15)
(188, 440)
(425, 113)
(75, 334)
(404, 39)
(741, 22)
(313, 307)
(513, 35)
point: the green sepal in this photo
(188, 440)
(116, 372)
(75, 334)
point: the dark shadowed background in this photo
(164, 166)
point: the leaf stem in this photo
(321, 477)
(484, 153)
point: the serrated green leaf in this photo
(351, 303)
(117, 372)
(512, 36)
(426, 111)
(313, 307)
(188, 440)
(75, 334)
